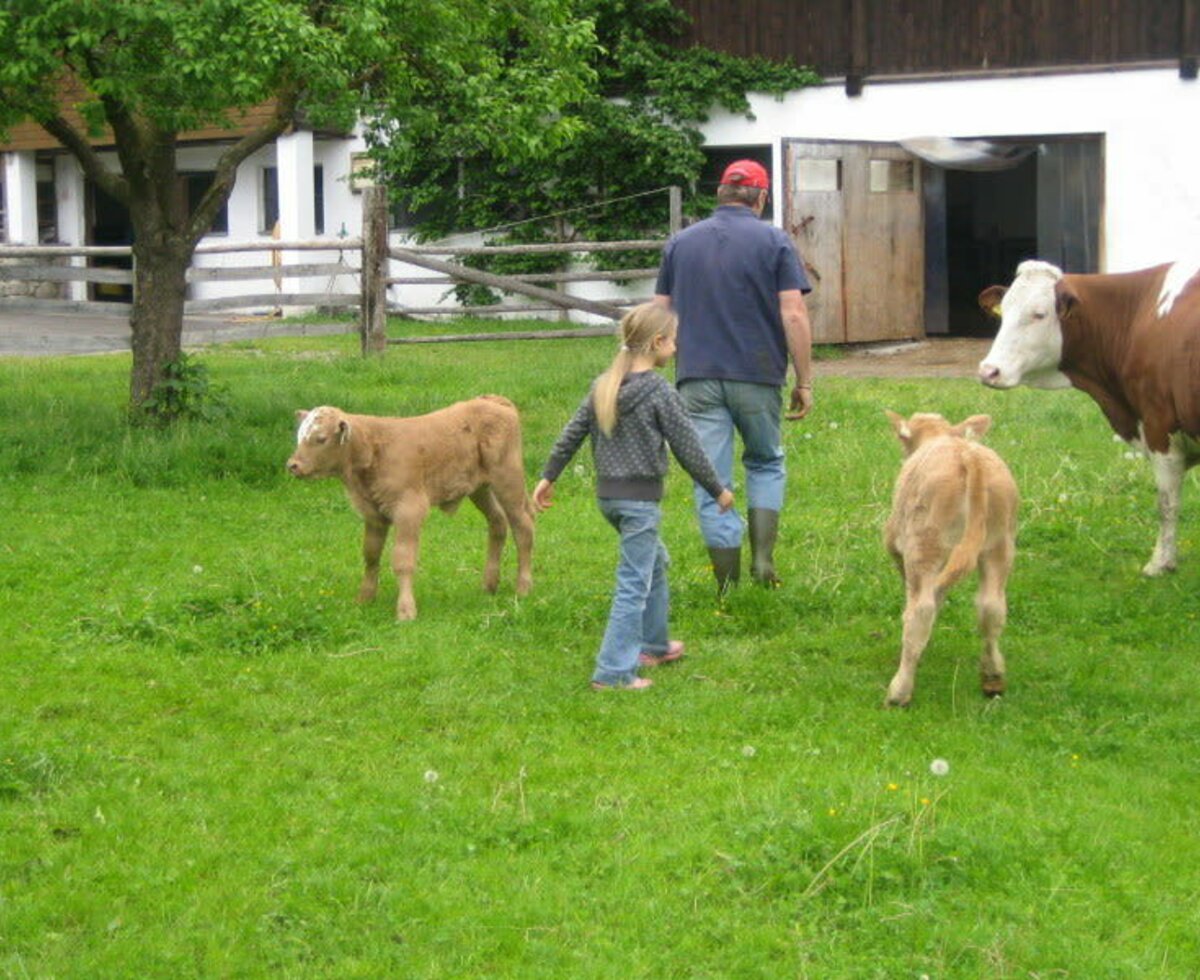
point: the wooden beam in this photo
(506, 283)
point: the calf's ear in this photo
(990, 298)
(899, 425)
(343, 430)
(301, 414)
(974, 428)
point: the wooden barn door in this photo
(854, 211)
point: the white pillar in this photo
(72, 214)
(294, 158)
(20, 197)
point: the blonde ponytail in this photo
(640, 328)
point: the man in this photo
(737, 286)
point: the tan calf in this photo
(396, 469)
(954, 510)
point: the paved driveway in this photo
(31, 334)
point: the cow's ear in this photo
(343, 430)
(990, 298)
(301, 414)
(1065, 300)
(974, 428)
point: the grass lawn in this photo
(212, 763)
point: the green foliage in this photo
(213, 763)
(184, 392)
(633, 133)
(152, 69)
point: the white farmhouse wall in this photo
(1150, 120)
(1147, 117)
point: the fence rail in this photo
(364, 265)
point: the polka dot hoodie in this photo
(632, 462)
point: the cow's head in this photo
(322, 441)
(916, 430)
(1028, 346)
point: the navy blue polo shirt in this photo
(724, 276)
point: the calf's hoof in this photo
(1156, 567)
(524, 584)
(491, 583)
(993, 687)
(406, 611)
(365, 596)
(899, 695)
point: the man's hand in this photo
(801, 403)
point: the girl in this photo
(632, 414)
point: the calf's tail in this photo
(965, 555)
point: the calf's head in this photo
(322, 441)
(918, 429)
(1028, 346)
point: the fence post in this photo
(373, 323)
(676, 199)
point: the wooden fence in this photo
(363, 262)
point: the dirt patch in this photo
(934, 357)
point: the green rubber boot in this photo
(764, 529)
(727, 567)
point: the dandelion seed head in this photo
(939, 767)
(431, 776)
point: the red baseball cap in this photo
(747, 173)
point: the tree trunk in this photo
(156, 320)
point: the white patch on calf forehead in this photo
(1175, 282)
(309, 423)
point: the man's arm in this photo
(798, 332)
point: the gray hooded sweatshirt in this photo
(632, 462)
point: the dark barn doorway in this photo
(991, 227)
(109, 225)
(983, 219)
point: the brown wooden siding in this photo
(30, 136)
(893, 37)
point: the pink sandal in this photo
(673, 652)
(637, 684)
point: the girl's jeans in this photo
(638, 618)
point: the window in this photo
(269, 199)
(892, 175)
(818, 175)
(195, 185)
(47, 203)
(319, 199)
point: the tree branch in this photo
(109, 181)
(218, 191)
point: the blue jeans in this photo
(718, 409)
(638, 618)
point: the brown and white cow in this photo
(396, 469)
(1131, 341)
(954, 510)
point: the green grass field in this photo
(214, 764)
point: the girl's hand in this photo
(543, 495)
(725, 501)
